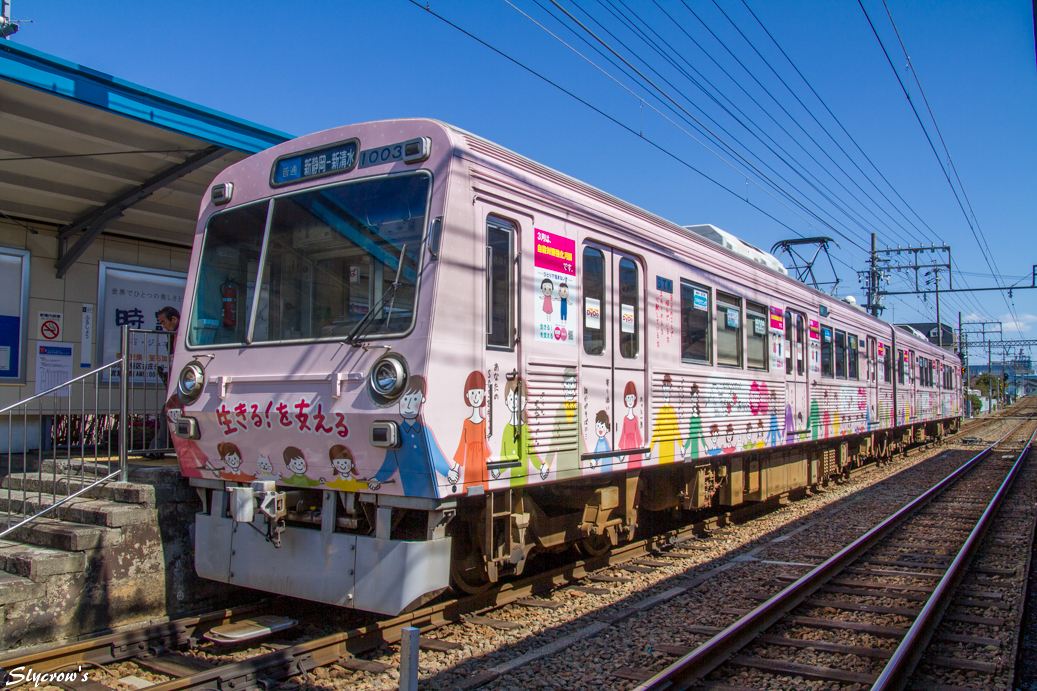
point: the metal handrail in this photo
(48, 392)
(55, 505)
(718, 649)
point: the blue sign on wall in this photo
(10, 346)
(664, 285)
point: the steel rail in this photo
(694, 666)
(897, 672)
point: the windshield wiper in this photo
(358, 331)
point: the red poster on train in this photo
(777, 319)
(554, 277)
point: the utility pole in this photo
(990, 379)
(873, 281)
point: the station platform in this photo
(120, 555)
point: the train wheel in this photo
(594, 546)
(470, 576)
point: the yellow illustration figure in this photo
(344, 467)
(666, 432)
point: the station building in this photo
(100, 185)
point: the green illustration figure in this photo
(691, 445)
(517, 443)
(567, 424)
(296, 462)
(815, 420)
(666, 432)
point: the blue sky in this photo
(302, 67)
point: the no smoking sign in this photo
(50, 326)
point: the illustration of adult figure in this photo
(691, 444)
(516, 443)
(630, 437)
(472, 450)
(417, 449)
(547, 287)
(169, 319)
(666, 433)
(566, 425)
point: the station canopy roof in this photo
(90, 153)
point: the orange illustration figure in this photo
(231, 457)
(472, 450)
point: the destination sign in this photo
(316, 163)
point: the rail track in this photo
(896, 582)
(155, 648)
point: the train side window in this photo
(729, 330)
(696, 323)
(840, 355)
(500, 307)
(756, 350)
(788, 342)
(801, 346)
(887, 365)
(827, 352)
(594, 318)
(900, 366)
(629, 313)
(852, 357)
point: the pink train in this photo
(411, 359)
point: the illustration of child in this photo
(344, 466)
(231, 457)
(601, 429)
(713, 441)
(472, 450)
(730, 445)
(296, 462)
(748, 439)
(563, 301)
(547, 287)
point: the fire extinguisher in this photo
(230, 303)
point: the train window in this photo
(629, 313)
(840, 355)
(852, 357)
(900, 366)
(500, 300)
(696, 323)
(800, 346)
(227, 275)
(827, 352)
(788, 342)
(756, 351)
(343, 260)
(729, 330)
(887, 365)
(594, 319)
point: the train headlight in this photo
(388, 379)
(191, 382)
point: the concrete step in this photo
(57, 534)
(110, 514)
(38, 563)
(61, 484)
(18, 589)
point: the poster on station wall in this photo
(554, 280)
(14, 290)
(133, 296)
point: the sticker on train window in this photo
(592, 314)
(758, 327)
(700, 300)
(626, 324)
(732, 318)
(826, 335)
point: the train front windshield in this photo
(331, 255)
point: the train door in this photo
(796, 376)
(506, 419)
(628, 359)
(872, 382)
(912, 386)
(612, 358)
